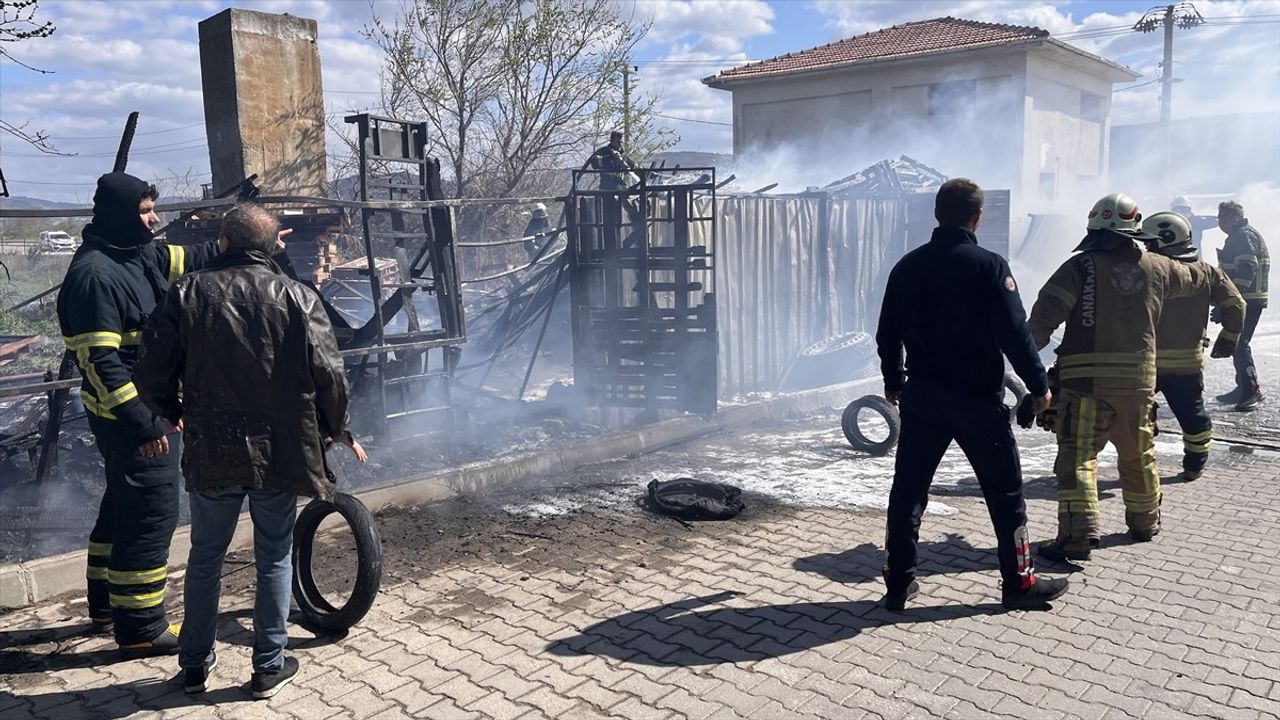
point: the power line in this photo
(94, 181)
(152, 150)
(692, 120)
(117, 137)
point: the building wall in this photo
(1067, 129)
(1035, 122)
(961, 115)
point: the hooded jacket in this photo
(1110, 295)
(262, 382)
(113, 284)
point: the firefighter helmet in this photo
(1179, 202)
(539, 210)
(1172, 234)
(1116, 211)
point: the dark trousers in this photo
(1246, 374)
(931, 418)
(1185, 395)
(129, 543)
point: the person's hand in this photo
(356, 448)
(280, 236)
(893, 396)
(1042, 402)
(1215, 315)
(172, 427)
(155, 448)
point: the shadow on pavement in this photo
(866, 561)
(128, 699)
(688, 633)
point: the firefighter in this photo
(1180, 338)
(1245, 259)
(616, 168)
(115, 280)
(1109, 295)
(1181, 204)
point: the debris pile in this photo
(888, 179)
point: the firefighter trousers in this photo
(129, 543)
(1246, 372)
(1086, 423)
(931, 418)
(1185, 395)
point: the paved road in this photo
(570, 602)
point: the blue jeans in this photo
(213, 521)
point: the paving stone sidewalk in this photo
(608, 613)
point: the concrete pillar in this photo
(263, 101)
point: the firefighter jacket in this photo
(1110, 296)
(614, 165)
(1180, 334)
(955, 307)
(1246, 261)
(262, 383)
(114, 282)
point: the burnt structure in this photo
(642, 293)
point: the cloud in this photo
(725, 24)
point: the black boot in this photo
(896, 600)
(1231, 398)
(1251, 401)
(1035, 597)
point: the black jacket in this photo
(113, 284)
(956, 309)
(262, 385)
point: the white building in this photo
(1006, 105)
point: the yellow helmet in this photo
(1116, 211)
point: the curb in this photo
(33, 581)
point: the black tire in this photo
(318, 613)
(860, 442)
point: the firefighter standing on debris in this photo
(1180, 337)
(1245, 259)
(114, 282)
(612, 162)
(1110, 296)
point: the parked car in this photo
(57, 241)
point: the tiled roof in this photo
(924, 37)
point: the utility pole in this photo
(626, 100)
(1185, 16)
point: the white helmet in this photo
(539, 210)
(1116, 211)
(1172, 234)
(1180, 201)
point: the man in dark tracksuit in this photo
(956, 309)
(114, 282)
(1246, 261)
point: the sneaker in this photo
(268, 682)
(896, 600)
(1250, 401)
(1037, 596)
(194, 679)
(1144, 535)
(165, 644)
(1060, 550)
(1231, 398)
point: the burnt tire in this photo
(317, 612)
(853, 433)
(834, 360)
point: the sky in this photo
(108, 57)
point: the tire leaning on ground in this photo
(853, 433)
(318, 613)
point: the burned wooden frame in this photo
(643, 301)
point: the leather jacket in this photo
(247, 359)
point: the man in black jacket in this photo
(262, 395)
(955, 307)
(114, 282)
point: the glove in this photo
(1223, 348)
(1215, 316)
(1026, 412)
